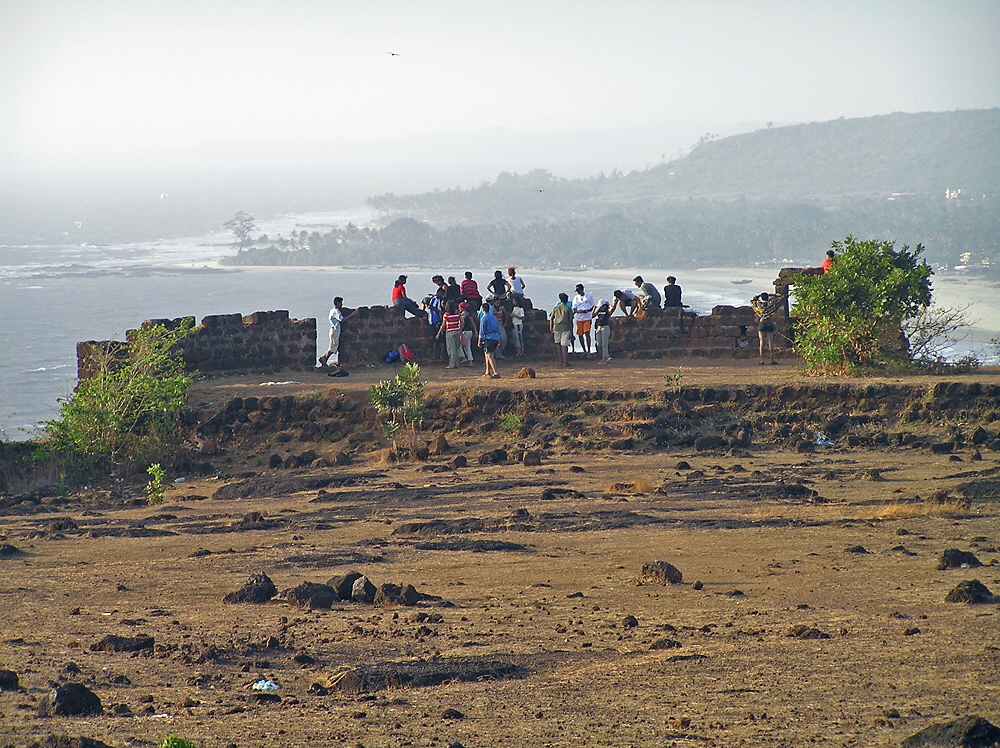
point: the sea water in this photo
(53, 296)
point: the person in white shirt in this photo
(337, 319)
(517, 317)
(583, 314)
(516, 284)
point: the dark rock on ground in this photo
(665, 644)
(70, 699)
(493, 457)
(66, 741)
(807, 632)
(458, 461)
(859, 549)
(629, 622)
(312, 596)
(6, 549)
(710, 442)
(682, 465)
(952, 558)
(970, 591)
(344, 583)
(258, 589)
(8, 680)
(452, 714)
(660, 572)
(476, 546)
(363, 591)
(112, 643)
(548, 494)
(532, 457)
(967, 732)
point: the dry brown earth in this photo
(525, 639)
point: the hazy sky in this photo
(109, 76)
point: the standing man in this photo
(470, 292)
(561, 326)
(583, 314)
(766, 307)
(337, 320)
(489, 339)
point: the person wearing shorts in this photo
(489, 339)
(766, 307)
(583, 315)
(561, 326)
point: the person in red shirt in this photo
(399, 298)
(828, 262)
(470, 292)
(451, 326)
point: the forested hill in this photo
(777, 194)
(872, 156)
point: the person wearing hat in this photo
(583, 315)
(602, 330)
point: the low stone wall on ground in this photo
(225, 343)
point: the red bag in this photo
(406, 354)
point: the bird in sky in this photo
(393, 54)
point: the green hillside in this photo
(871, 156)
(784, 192)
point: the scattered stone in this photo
(6, 549)
(258, 589)
(67, 741)
(709, 442)
(682, 465)
(532, 457)
(387, 595)
(805, 447)
(698, 585)
(439, 446)
(942, 448)
(493, 457)
(967, 732)
(458, 461)
(970, 591)
(363, 591)
(975, 456)
(452, 714)
(859, 549)
(549, 494)
(665, 644)
(312, 596)
(576, 469)
(112, 643)
(952, 558)
(343, 584)
(660, 572)
(736, 593)
(303, 658)
(980, 436)
(68, 700)
(630, 622)
(807, 632)
(526, 372)
(274, 461)
(342, 459)
(8, 680)
(912, 631)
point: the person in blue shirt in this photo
(489, 339)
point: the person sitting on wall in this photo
(672, 293)
(470, 293)
(627, 299)
(399, 298)
(649, 296)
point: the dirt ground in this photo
(534, 628)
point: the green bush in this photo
(125, 415)
(173, 740)
(851, 317)
(402, 398)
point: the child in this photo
(517, 316)
(602, 330)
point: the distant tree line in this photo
(674, 233)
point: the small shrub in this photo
(155, 489)
(511, 422)
(173, 740)
(673, 381)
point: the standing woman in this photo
(602, 330)
(489, 339)
(499, 287)
(451, 326)
(468, 331)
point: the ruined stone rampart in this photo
(224, 343)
